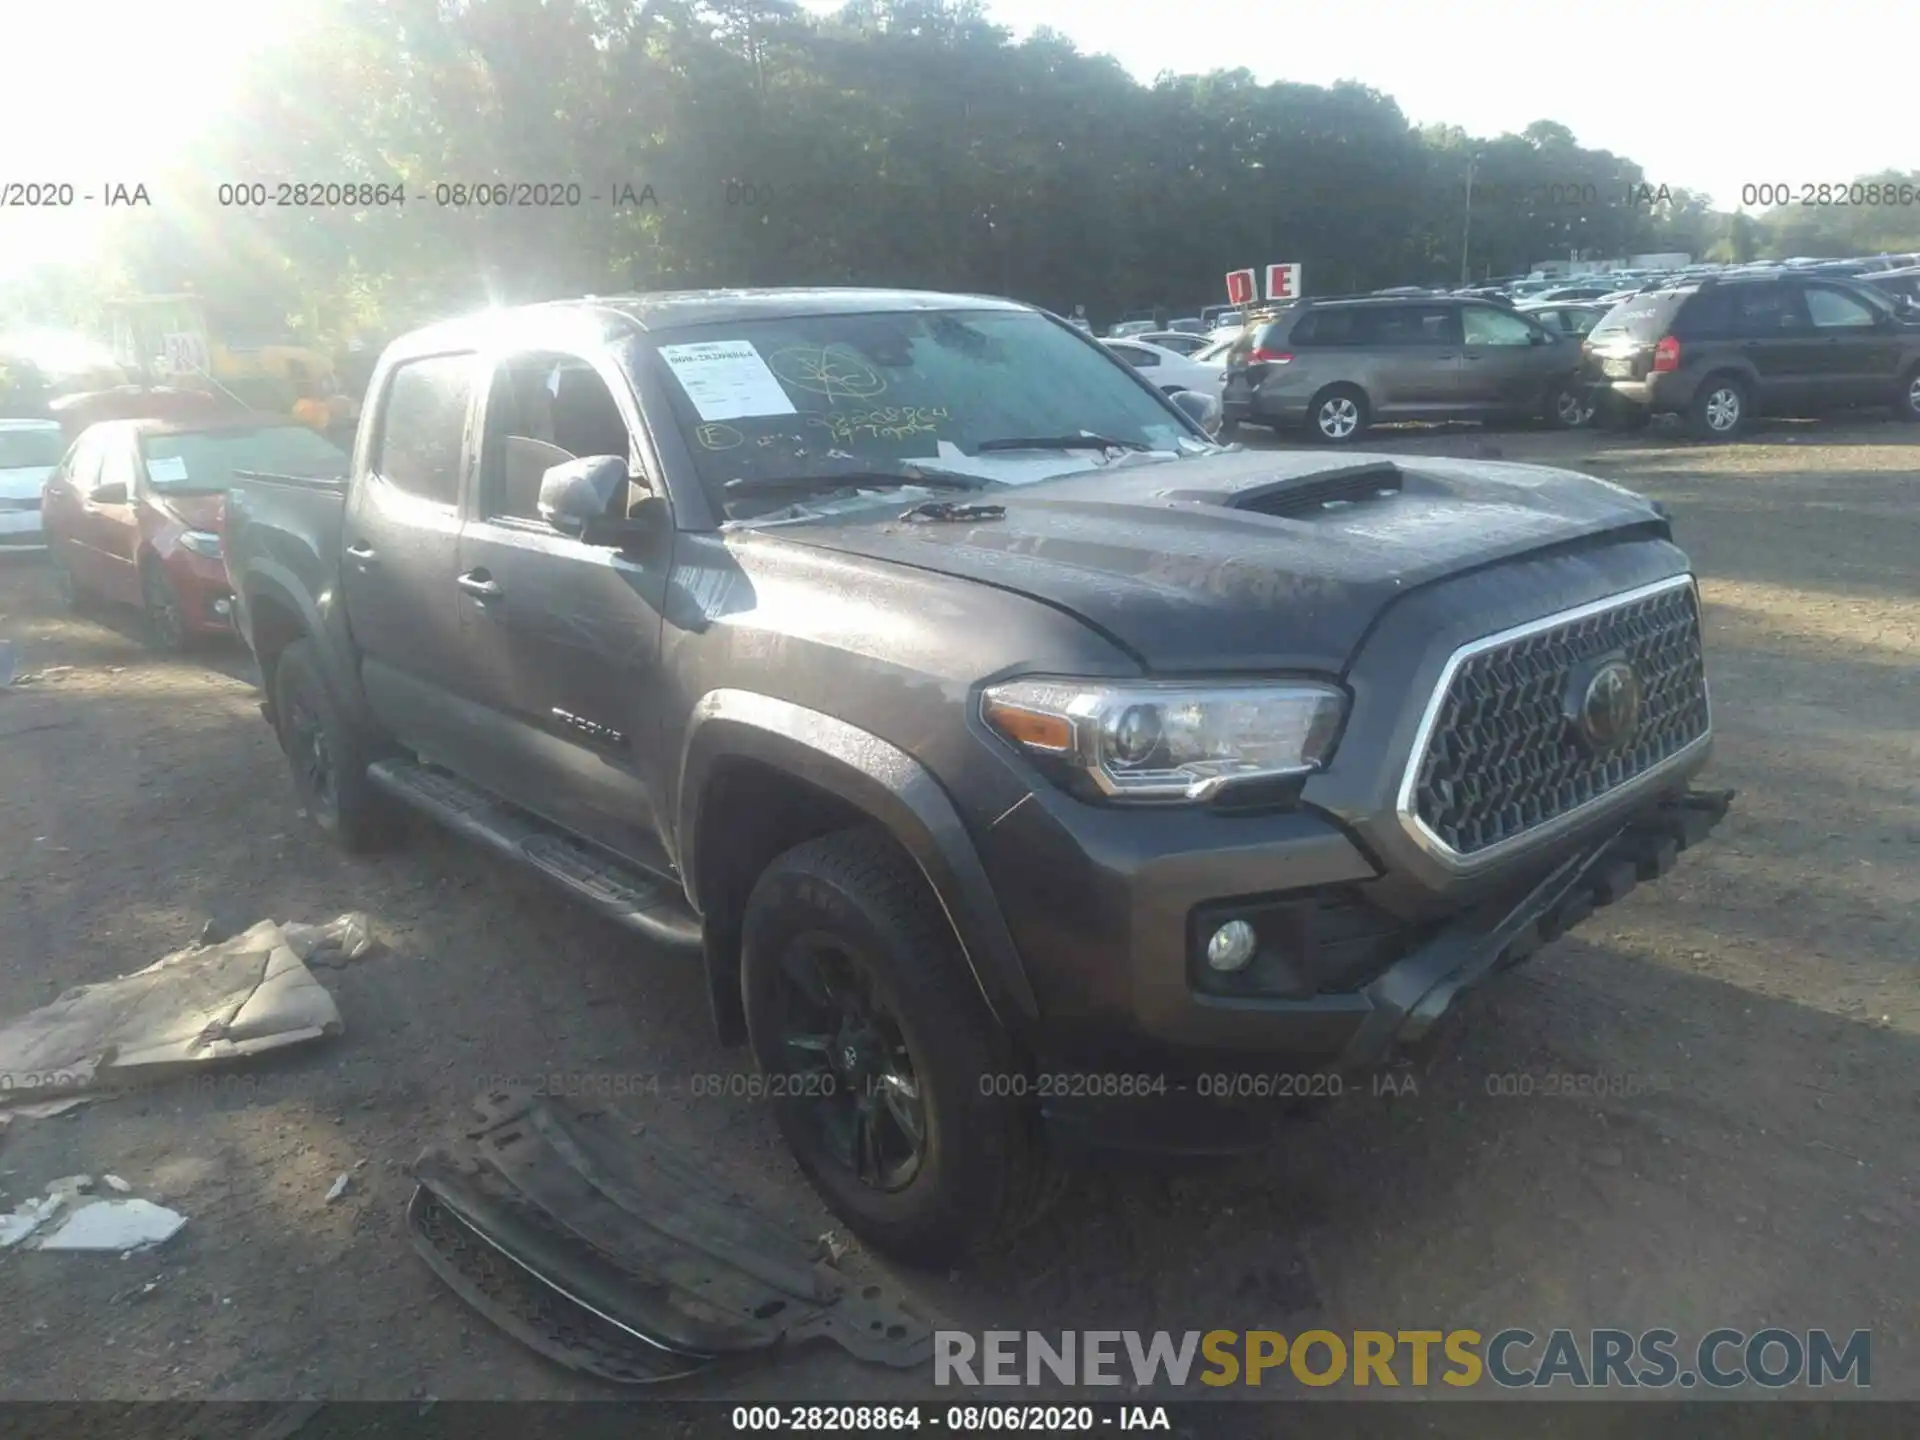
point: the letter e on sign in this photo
(1283, 282)
(1240, 287)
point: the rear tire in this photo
(66, 585)
(862, 1014)
(329, 755)
(1718, 410)
(1338, 415)
(1570, 407)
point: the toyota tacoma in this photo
(1016, 760)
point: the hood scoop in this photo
(1329, 489)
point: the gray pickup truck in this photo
(1028, 771)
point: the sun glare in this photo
(120, 90)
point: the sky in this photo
(1709, 96)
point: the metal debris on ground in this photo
(207, 1003)
(616, 1254)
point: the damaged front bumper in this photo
(1195, 1112)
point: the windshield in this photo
(766, 401)
(30, 448)
(204, 460)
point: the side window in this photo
(1486, 326)
(1768, 310)
(1412, 325)
(543, 409)
(423, 426)
(1327, 327)
(1832, 310)
(117, 467)
(1137, 357)
(83, 464)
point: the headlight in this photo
(1170, 741)
(201, 542)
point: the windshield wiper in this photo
(1058, 442)
(853, 480)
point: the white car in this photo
(1169, 371)
(29, 452)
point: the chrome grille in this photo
(1499, 757)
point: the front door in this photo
(1501, 370)
(1860, 351)
(401, 542)
(564, 637)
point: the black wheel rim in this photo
(848, 1067)
(312, 759)
(163, 612)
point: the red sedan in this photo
(133, 514)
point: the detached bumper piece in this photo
(613, 1254)
(1417, 991)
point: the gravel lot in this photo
(1760, 1000)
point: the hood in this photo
(24, 482)
(1252, 560)
(196, 512)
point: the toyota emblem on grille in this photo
(1606, 704)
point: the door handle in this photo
(480, 584)
(361, 554)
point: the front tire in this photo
(166, 616)
(1719, 408)
(1907, 403)
(863, 1016)
(1338, 415)
(329, 756)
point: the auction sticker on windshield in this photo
(166, 469)
(726, 380)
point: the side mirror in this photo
(650, 518)
(113, 494)
(1201, 408)
(581, 490)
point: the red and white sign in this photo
(1283, 282)
(1240, 289)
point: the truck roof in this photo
(663, 310)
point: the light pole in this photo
(1466, 224)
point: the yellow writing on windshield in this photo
(828, 370)
(891, 422)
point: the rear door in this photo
(564, 637)
(400, 553)
(1859, 351)
(60, 510)
(1769, 321)
(1411, 357)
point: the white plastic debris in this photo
(115, 1225)
(340, 1185)
(114, 1182)
(231, 1001)
(27, 1217)
(347, 937)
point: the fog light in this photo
(1231, 946)
(223, 608)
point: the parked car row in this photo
(1716, 345)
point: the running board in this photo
(625, 895)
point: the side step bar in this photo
(627, 896)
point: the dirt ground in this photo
(1768, 1172)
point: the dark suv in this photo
(1337, 366)
(1722, 349)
